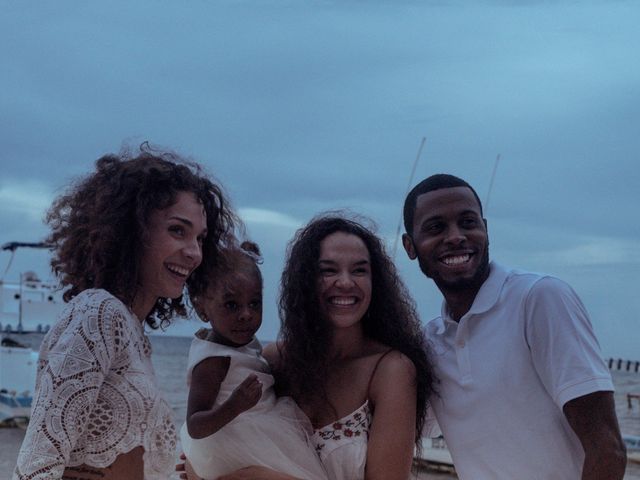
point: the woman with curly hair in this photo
(351, 353)
(126, 240)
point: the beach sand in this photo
(170, 358)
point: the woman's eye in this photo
(177, 229)
(327, 271)
(255, 305)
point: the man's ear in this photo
(407, 242)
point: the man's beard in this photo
(460, 284)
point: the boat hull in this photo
(17, 382)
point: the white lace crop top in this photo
(96, 394)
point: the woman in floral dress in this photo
(351, 353)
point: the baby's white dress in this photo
(274, 433)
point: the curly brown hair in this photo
(99, 223)
(305, 333)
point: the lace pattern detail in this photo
(96, 394)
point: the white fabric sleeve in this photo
(564, 349)
(78, 356)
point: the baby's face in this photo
(235, 310)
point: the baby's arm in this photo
(203, 418)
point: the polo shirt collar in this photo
(485, 299)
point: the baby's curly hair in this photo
(99, 223)
(305, 334)
(235, 260)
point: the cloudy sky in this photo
(298, 107)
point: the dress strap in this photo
(373, 373)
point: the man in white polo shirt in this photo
(523, 392)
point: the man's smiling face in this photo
(450, 239)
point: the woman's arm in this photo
(203, 418)
(392, 434)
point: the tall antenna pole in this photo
(493, 176)
(413, 171)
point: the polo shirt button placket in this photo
(462, 352)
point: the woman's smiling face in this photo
(172, 250)
(344, 281)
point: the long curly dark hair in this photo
(99, 223)
(305, 334)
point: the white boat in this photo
(18, 365)
(29, 304)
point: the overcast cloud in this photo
(298, 107)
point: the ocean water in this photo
(170, 363)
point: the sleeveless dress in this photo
(274, 433)
(342, 445)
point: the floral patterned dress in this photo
(342, 445)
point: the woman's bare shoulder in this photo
(387, 357)
(393, 366)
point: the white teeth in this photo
(178, 270)
(342, 300)
(457, 260)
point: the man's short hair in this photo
(429, 184)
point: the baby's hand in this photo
(247, 394)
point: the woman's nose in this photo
(344, 280)
(193, 250)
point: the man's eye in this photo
(432, 227)
(469, 222)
